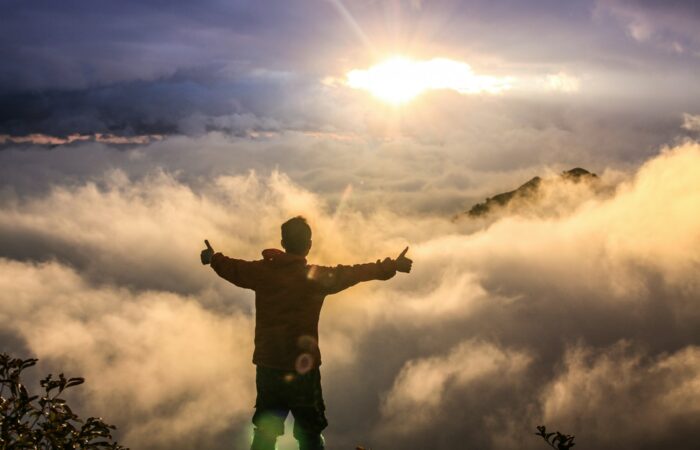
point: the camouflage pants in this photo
(281, 392)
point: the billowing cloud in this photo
(658, 394)
(154, 360)
(691, 122)
(419, 394)
(501, 326)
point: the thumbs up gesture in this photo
(403, 264)
(207, 253)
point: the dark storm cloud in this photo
(139, 67)
(148, 107)
(78, 44)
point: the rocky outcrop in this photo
(526, 191)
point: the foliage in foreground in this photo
(556, 440)
(44, 422)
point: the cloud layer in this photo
(502, 326)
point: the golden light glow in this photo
(399, 80)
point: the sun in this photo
(398, 80)
(394, 80)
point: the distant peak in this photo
(577, 173)
(526, 190)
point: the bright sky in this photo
(207, 63)
(398, 79)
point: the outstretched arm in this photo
(338, 278)
(242, 273)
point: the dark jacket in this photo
(289, 294)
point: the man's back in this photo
(289, 295)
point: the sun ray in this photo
(350, 19)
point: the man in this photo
(289, 294)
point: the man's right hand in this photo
(207, 253)
(403, 264)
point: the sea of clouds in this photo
(585, 319)
(578, 309)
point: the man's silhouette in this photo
(289, 294)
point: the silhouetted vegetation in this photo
(44, 421)
(556, 440)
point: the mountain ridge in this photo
(526, 190)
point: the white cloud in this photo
(419, 391)
(691, 122)
(563, 82)
(165, 369)
(623, 392)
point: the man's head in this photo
(296, 236)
